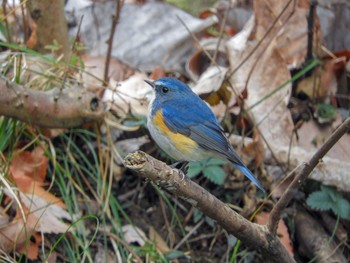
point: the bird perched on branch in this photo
(184, 126)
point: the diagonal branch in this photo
(303, 174)
(255, 236)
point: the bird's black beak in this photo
(149, 83)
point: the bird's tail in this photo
(251, 177)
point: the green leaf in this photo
(320, 200)
(215, 174)
(194, 169)
(215, 162)
(342, 208)
(197, 215)
(329, 199)
(325, 112)
(27, 50)
(174, 254)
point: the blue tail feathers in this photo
(251, 177)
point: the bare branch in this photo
(303, 174)
(69, 107)
(255, 236)
(115, 19)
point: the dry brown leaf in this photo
(158, 240)
(133, 234)
(321, 83)
(29, 166)
(95, 66)
(264, 71)
(271, 114)
(131, 145)
(250, 202)
(28, 170)
(312, 136)
(282, 230)
(31, 248)
(129, 96)
(52, 257)
(255, 149)
(157, 73)
(48, 209)
(16, 234)
(102, 256)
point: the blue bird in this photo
(184, 126)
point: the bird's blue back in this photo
(186, 113)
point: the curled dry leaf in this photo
(158, 240)
(271, 113)
(28, 166)
(131, 145)
(42, 210)
(263, 72)
(255, 149)
(95, 66)
(211, 53)
(129, 96)
(20, 236)
(322, 83)
(133, 234)
(214, 90)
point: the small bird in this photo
(184, 126)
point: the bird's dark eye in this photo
(165, 89)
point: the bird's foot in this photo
(181, 167)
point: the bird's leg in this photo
(181, 166)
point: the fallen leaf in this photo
(322, 83)
(29, 166)
(255, 149)
(95, 67)
(282, 230)
(158, 240)
(133, 234)
(131, 145)
(16, 234)
(129, 96)
(312, 136)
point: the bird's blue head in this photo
(169, 89)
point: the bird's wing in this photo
(203, 128)
(199, 125)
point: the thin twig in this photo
(275, 214)
(115, 20)
(268, 31)
(185, 238)
(222, 30)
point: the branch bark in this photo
(255, 236)
(56, 108)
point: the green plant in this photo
(329, 199)
(211, 169)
